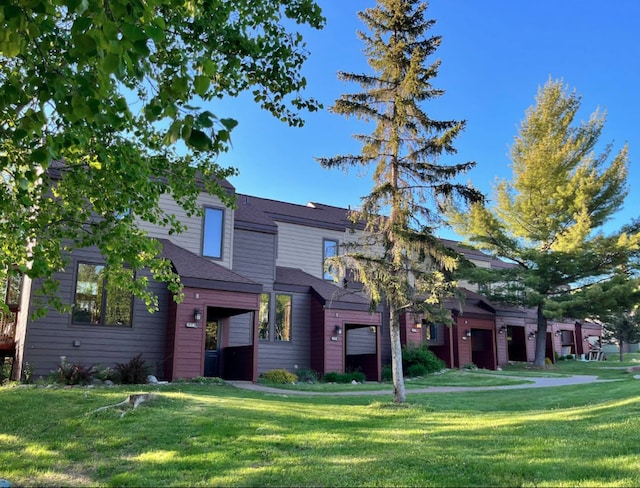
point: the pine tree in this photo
(398, 258)
(624, 328)
(548, 220)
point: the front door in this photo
(211, 348)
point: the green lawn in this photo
(449, 378)
(207, 435)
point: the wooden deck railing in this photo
(7, 330)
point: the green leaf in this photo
(40, 156)
(199, 140)
(155, 32)
(85, 44)
(111, 63)
(201, 84)
(173, 134)
(229, 124)
(132, 32)
(208, 67)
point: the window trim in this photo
(204, 228)
(325, 274)
(275, 319)
(103, 301)
(268, 338)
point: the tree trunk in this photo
(541, 339)
(620, 345)
(399, 393)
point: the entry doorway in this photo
(517, 344)
(212, 345)
(482, 350)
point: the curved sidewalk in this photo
(543, 382)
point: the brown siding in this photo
(409, 333)
(188, 351)
(334, 357)
(481, 344)
(502, 339)
(254, 256)
(294, 354)
(317, 342)
(52, 336)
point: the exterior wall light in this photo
(467, 333)
(558, 333)
(338, 330)
(502, 329)
(197, 315)
(532, 336)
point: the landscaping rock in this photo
(151, 379)
(108, 383)
(633, 369)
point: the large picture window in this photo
(263, 318)
(330, 249)
(97, 302)
(283, 318)
(212, 233)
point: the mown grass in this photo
(447, 378)
(207, 435)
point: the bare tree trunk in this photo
(620, 346)
(541, 339)
(399, 392)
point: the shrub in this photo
(5, 369)
(416, 370)
(469, 366)
(335, 377)
(307, 375)
(387, 372)
(104, 373)
(134, 372)
(278, 376)
(421, 355)
(73, 373)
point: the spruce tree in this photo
(398, 258)
(548, 220)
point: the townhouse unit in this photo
(256, 297)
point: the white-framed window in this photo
(212, 232)
(329, 250)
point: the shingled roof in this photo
(199, 272)
(331, 295)
(473, 304)
(261, 214)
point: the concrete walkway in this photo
(543, 382)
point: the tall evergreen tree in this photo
(549, 218)
(398, 258)
(624, 328)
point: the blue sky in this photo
(495, 55)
